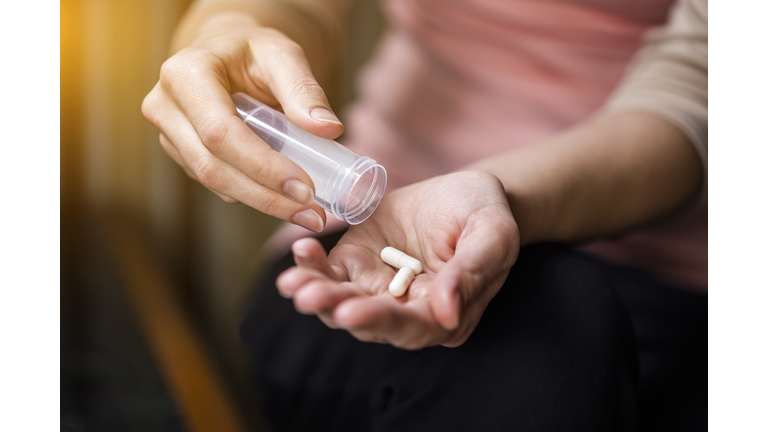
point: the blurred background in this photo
(155, 269)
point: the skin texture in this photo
(459, 226)
(227, 53)
(600, 178)
(604, 176)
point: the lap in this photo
(553, 351)
(671, 333)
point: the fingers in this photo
(293, 279)
(347, 305)
(411, 325)
(207, 106)
(314, 293)
(174, 154)
(383, 319)
(446, 299)
(459, 282)
(484, 254)
(470, 315)
(284, 67)
(309, 253)
(321, 296)
(192, 107)
(226, 180)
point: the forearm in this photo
(315, 25)
(599, 178)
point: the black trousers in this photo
(554, 351)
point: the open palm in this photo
(458, 225)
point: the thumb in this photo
(475, 272)
(301, 97)
(454, 286)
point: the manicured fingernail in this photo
(309, 220)
(298, 192)
(323, 115)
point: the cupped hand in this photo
(459, 226)
(200, 129)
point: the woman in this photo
(562, 121)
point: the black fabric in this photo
(671, 332)
(554, 351)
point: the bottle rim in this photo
(359, 191)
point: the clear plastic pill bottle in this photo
(348, 185)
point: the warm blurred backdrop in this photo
(155, 268)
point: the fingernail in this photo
(309, 220)
(298, 192)
(323, 115)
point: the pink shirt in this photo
(456, 81)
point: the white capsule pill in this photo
(398, 259)
(401, 281)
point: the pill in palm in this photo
(401, 281)
(398, 259)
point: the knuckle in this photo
(186, 66)
(148, 107)
(306, 86)
(270, 204)
(278, 43)
(213, 133)
(265, 167)
(208, 172)
(171, 69)
(291, 47)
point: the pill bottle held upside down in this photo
(348, 185)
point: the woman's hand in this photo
(459, 226)
(200, 129)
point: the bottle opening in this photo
(366, 182)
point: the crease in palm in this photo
(460, 219)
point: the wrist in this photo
(527, 208)
(531, 223)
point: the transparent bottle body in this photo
(348, 185)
